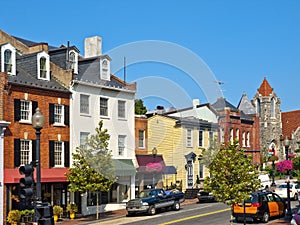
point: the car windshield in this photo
(252, 199)
(284, 186)
(145, 193)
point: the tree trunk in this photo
(97, 207)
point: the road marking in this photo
(193, 217)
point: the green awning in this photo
(124, 167)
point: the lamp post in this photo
(286, 144)
(154, 153)
(38, 120)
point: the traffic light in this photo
(27, 182)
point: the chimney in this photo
(93, 46)
(195, 103)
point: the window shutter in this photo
(51, 113)
(33, 150)
(67, 154)
(17, 153)
(51, 153)
(34, 106)
(67, 118)
(17, 109)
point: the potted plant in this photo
(57, 212)
(72, 209)
(14, 217)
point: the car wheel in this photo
(266, 217)
(176, 206)
(152, 210)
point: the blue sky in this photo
(240, 42)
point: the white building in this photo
(98, 95)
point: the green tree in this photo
(140, 109)
(233, 176)
(92, 167)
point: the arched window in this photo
(273, 107)
(248, 139)
(8, 61)
(43, 68)
(231, 136)
(257, 106)
(73, 61)
(244, 139)
(105, 69)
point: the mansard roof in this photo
(265, 88)
(222, 103)
(246, 105)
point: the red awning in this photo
(144, 160)
(47, 175)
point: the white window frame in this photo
(201, 170)
(74, 63)
(210, 138)
(121, 109)
(222, 133)
(141, 139)
(244, 139)
(62, 156)
(24, 111)
(189, 137)
(82, 138)
(105, 69)
(121, 145)
(25, 148)
(104, 107)
(46, 56)
(13, 58)
(248, 139)
(84, 109)
(59, 114)
(231, 136)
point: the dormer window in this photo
(73, 61)
(8, 62)
(105, 69)
(43, 66)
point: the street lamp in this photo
(154, 153)
(286, 144)
(38, 120)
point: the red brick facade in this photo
(141, 124)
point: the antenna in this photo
(124, 69)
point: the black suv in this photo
(260, 206)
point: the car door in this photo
(280, 204)
(272, 205)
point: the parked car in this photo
(281, 190)
(205, 196)
(265, 181)
(151, 200)
(296, 218)
(261, 205)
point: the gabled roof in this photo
(265, 88)
(222, 103)
(290, 122)
(246, 106)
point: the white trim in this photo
(46, 56)
(106, 75)
(76, 60)
(13, 58)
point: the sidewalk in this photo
(122, 212)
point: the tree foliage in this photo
(233, 176)
(92, 167)
(140, 109)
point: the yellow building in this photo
(180, 141)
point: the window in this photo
(189, 138)
(258, 106)
(58, 153)
(237, 134)
(83, 137)
(26, 111)
(26, 152)
(244, 139)
(201, 170)
(211, 138)
(8, 56)
(201, 138)
(58, 114)
(248, 139)
(121, 109)
(73, 61)
(273, 107)
(103, 107)
(84, 104)
(231, 136)
(7, 61)
(105, 69)
(222, 135)
(141, 139)
(43, 66)
(121, 145)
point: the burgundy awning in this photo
(149, 163)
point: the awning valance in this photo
(123, 167)
(149, 163)
(170, 170)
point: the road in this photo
(192, 214)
